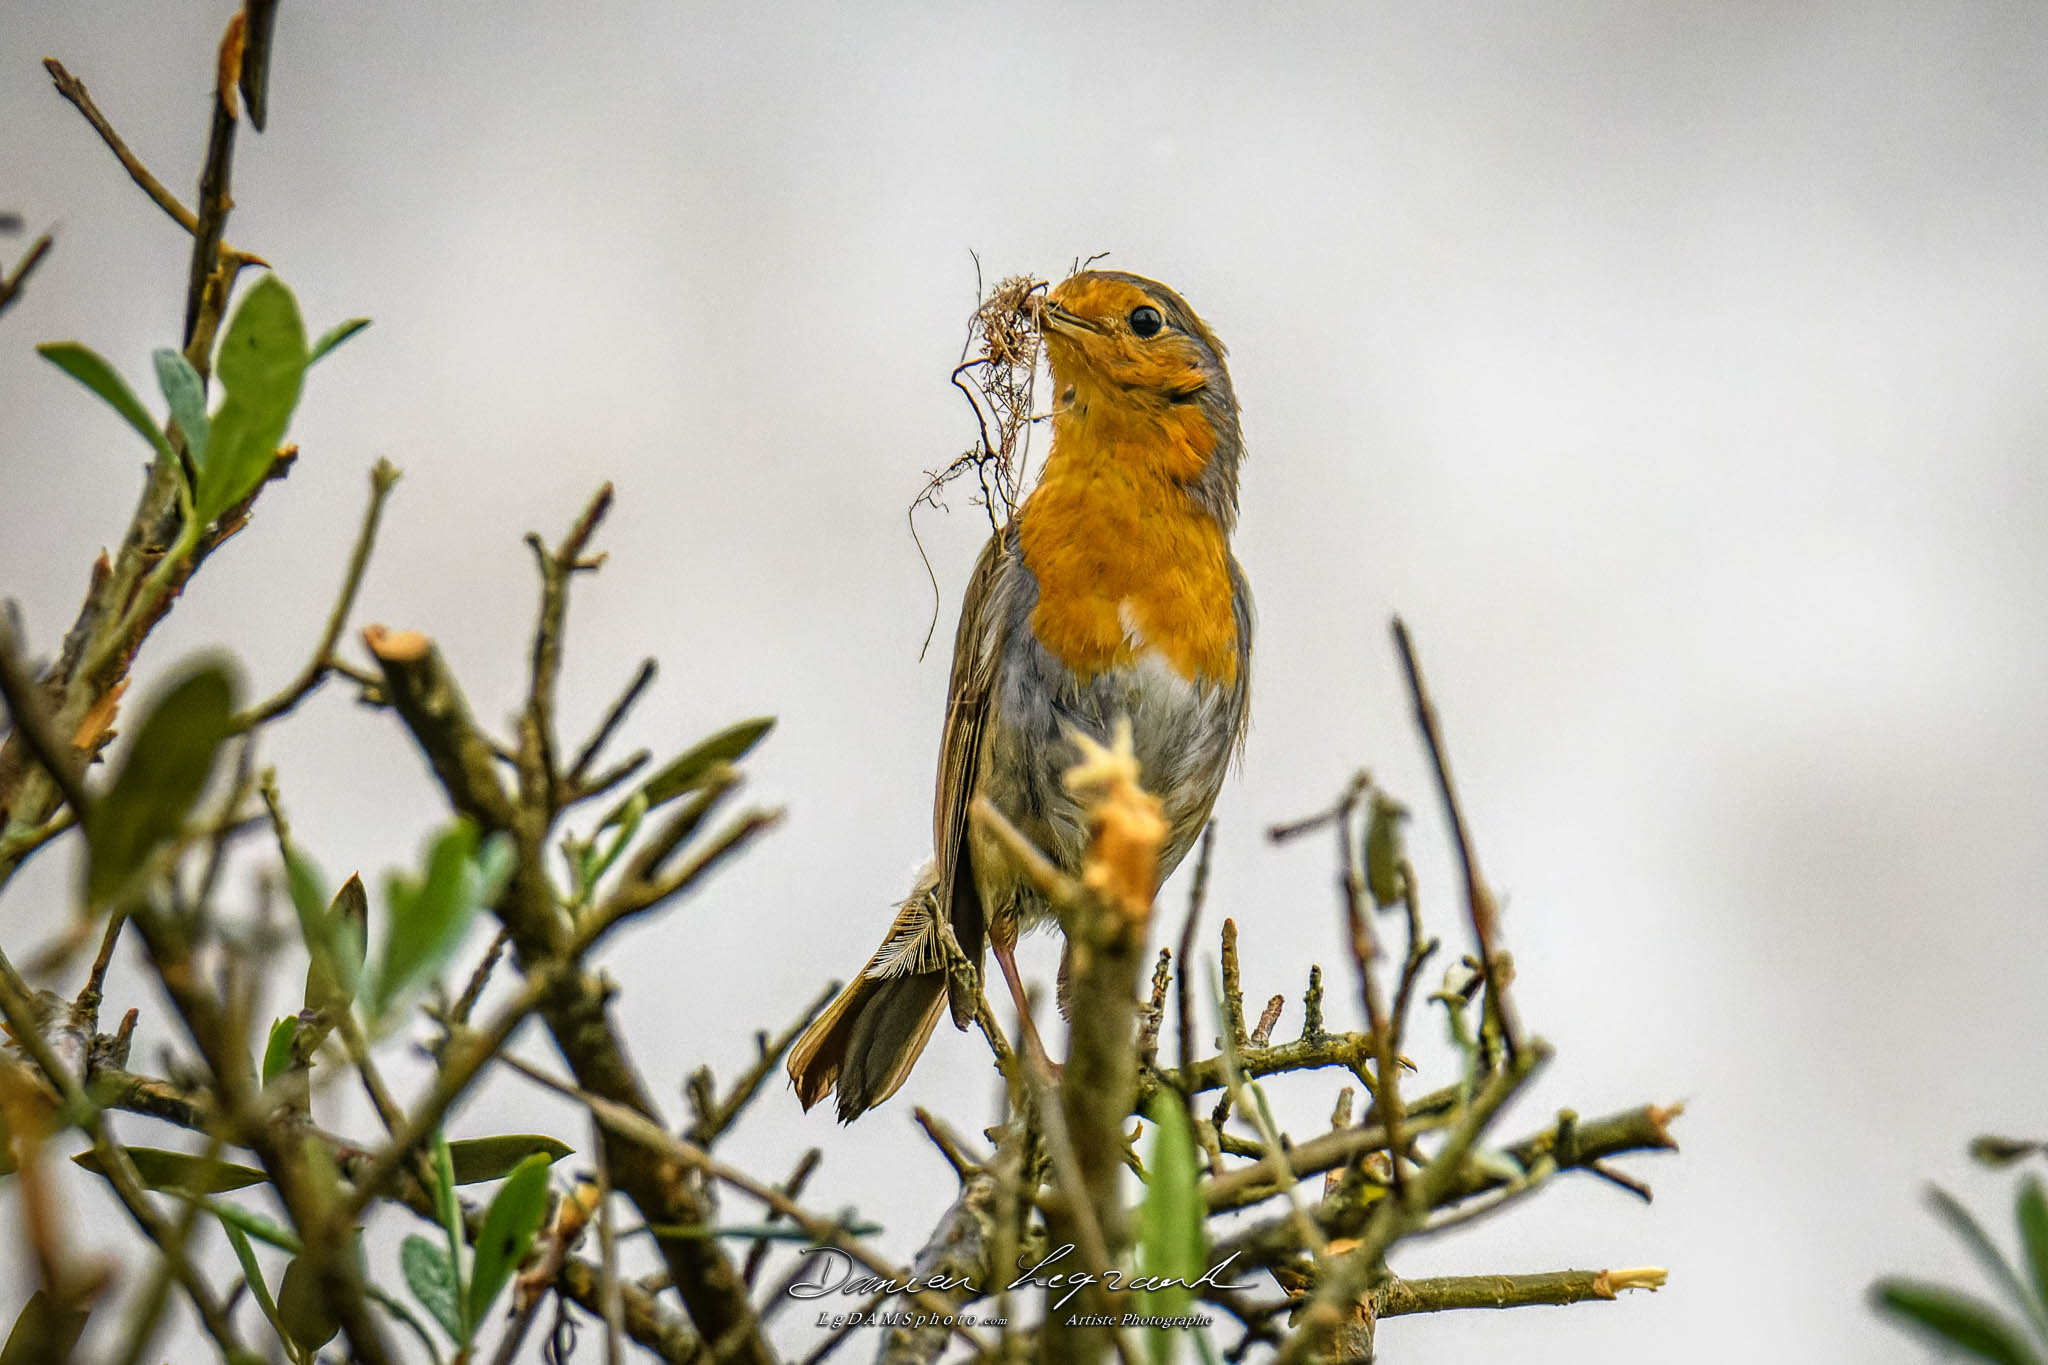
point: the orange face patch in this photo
(1090, 336)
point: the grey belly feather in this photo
(1185, 732)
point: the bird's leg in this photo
(1034, 1046)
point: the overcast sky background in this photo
(1677, 370)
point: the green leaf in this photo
(333, 931)
(185, 391)
(303, 1309)
(1171, 1240)
(2032, 1211)
(91, 370)
(509, 1226)
(449, 1210)
(1994, 1151)
(432, 1281)
(163, 773)
(334, 336)
(252, 1274)
(1989, 1257)
(277, 1053)
(44, 1331)
(262, 366)
(397, 1309)
(265, 1230)
(1955, 1319)
(687, 769)
(429, 916)
(475, 1160)
(1386, 852)
(180, 1172)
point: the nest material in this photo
(998, 375)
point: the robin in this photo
(1112, 594)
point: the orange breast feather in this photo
(1125, 560)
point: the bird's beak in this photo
(1058, 319)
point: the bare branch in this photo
(1483, 909)
(383, 477)
(1398, 1297)
(12, 284)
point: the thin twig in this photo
(1344, 1278)
(1420, 950)
(11, 284)
(1154, 1013)
(636, 1128)
(32, 721)
(1269, 1017)
(464, 1057)
(1276, 1162)
(211, 275)
(115, 1163)
(473, 990)
(383, 476)
(86, 1004)
(792, 1189)
(1364, 944)
(19, 844)
(538, 773)
(1184, 986)
(1479, 901)
(608, 1250)
(635, 897)
(711, 1126)
(593, 746)
(73, 89)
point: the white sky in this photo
(1676, 370)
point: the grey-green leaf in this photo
(1955, 1319)
(687, 769)
(448, 1208)
(165, 770)
(277, 1052)
(334, 934)
(431, 1279)
(303, 1309)
(1972, 1234)
(428, 916)
(185, 391)
(334, 336)
(475, 1160)
(509, 1226)
(1386, 853)
(44, 1330)
(89, 368)
(1994, 1151)
(1171, 1240)
(262, 366)
(252, 1273)
(2033, 1219)
(266, 1230)
(180, 1172)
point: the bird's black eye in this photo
(1146, 322)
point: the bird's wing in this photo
(977, 655)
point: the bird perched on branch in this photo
(1112, 593)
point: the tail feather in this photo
(867, 1040)
(866, 1043)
